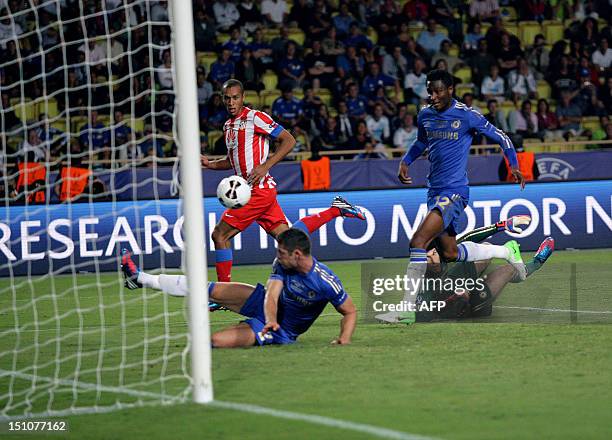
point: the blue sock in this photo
(462, 253)
(418, 255)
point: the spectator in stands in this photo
(291, 69)
(472, 37)
(363, 140)
(376, 78)
(279, 44)
(312, 104)
(151, 145)
(569, 115)
(215, 113)
(562, 77)
(11, 121)
(92, 135)
(605, 93)
(275, 11)
(345, 123)
(507, 55)
(120, 137)
(538, 57)
(330, 136)
(205, 88)
(222, 69)
(468, 100)
(535, 10)
(430, 39)
(95, 54)
(351, 64)
(496, 116)
(55, 139)
(380, 97)
(406, 134)
(226, 14)
(415, 10)
(378, 125)
(164, 71)
(320, 67)
(204, 31)
(602, 57)
(395, 64)
(521, 82)
(318, 21)
(481, 62)
(261, 50)
(446, 13)
(356, 103)
(548, 122)
(453, 62)
(342, 21)
(332, 46)
(524, 122)
(287, 109)
(484, 10)
(235, 44)
(250, 16)
(357, 39)
(589, 34)
(493, 85)
(587, 95)
(247, 72)
(33, 144)
(415, 84)
(317, 119)
(164, 110)
(8, 30)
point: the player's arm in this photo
(219, 164)
(274, 288)
(265, 125)
(349, 320)
(481, 125)
(413, 153)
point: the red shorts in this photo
(263, 208)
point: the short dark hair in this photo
(233, 83)
(293, 239)
(440, 75)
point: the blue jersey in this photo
(448, 136)
(287, 109)
(304, 296)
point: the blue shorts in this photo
(451, 206)
(254, 309)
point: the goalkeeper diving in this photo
(478, 301)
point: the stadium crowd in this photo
(341, 75)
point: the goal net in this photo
(88, 122)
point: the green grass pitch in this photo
(534, 370)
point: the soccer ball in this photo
(233, 192)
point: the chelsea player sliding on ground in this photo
(446, 128)
(298, 290)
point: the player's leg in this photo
(232, 296)
(339, 208)
(239, 335)
(221, 236)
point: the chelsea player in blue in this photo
(446, 128)
(298, 290)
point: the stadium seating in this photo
(297, 35)
(464, 74)
(553, 30)
(213, 136)
(206, 59)
(591, 123)
(269, 80)
(25, 110)
(543, 89)
(461, 89)
(527, 32)
(268, 97)
(325, 95)
(251, 97)
(47, 106)
(512, 29)
(136, 124)
(508, 13)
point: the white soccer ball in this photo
(233, 192)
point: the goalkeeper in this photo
(479, 301)
(298, 290)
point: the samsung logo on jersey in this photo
(294, 297)
(451, 135)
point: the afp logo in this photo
(554, 168)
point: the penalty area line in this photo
(375, 431)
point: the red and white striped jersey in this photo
(246, 137)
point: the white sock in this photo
(415, 274)
(175, 285)
(147, 280)
(470, 251)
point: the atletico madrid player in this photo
(247, 135)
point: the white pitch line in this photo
(244, 407)
(538, 309)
